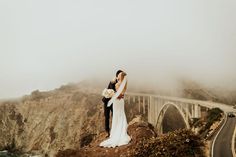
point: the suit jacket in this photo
(112, 85)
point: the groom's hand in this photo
(121, 96)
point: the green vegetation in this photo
(3, 154)
(86, 139)
(11, 147)
(181, 142)
(212, 116)
(12, 151)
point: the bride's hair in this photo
(117, 73)
(123, 74)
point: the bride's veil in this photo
(122, 86)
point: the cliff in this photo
(46, 122)
(145, 143)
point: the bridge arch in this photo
(164, 108)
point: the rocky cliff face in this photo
(46, 122)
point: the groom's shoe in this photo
(108, 135)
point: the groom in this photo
(107, 110)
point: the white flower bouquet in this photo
(108, 93)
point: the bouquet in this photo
(108, 93)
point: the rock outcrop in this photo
(137, 129)
(46, 122)
(144, 143)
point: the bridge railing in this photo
(208, 104)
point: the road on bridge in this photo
(222, 147)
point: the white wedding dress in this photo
(118, 134)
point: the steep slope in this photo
(46, 122)
(144, 143)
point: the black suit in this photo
(112, 85)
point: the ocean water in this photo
(7, 154)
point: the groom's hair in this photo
(117, 73)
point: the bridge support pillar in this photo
(139, 104)
(144, 105)
(151, 112)
(197, 111)
(186, 114)
(160, 124)
(148, 109)
(192, 111)
(161, 129)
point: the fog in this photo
(44, 44)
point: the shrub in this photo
(213, 115)
(181, 142)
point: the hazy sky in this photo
(46, 43)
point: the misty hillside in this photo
(197, 91)
(186, 89)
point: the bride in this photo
(118, 134)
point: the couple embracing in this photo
(114, 102)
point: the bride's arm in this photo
(123, 92)
(117, 85)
